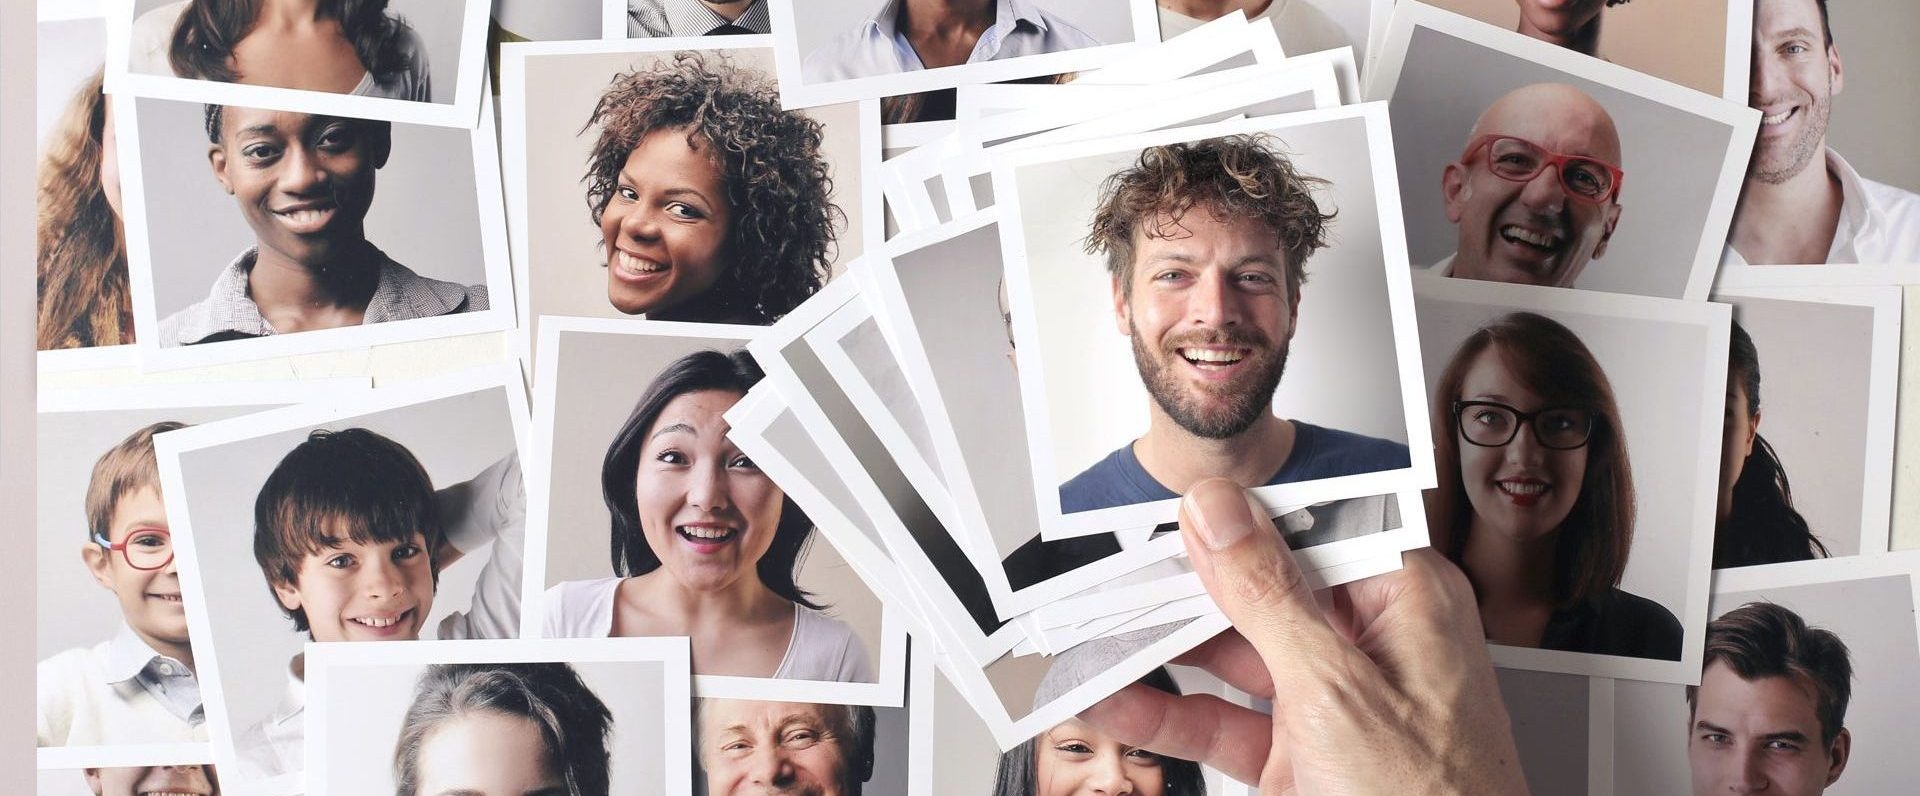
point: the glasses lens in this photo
(1515, 159)
(1563, 428)
(1588, 179)
(1486, 425)
(149, 549)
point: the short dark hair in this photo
(379, 130)
(696, 372)
(337, 485)
(1762, 639)
(573, 722)
(1232, 176)
(1762, 526)
(203, 40)
(1826, 25)
(1018, 774)
(781, 237)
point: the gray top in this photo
(228, 313)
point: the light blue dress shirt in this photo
(879, 45)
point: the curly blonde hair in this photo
(82, 266)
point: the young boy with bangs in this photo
(352, 538)
(139, 686)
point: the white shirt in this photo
(117, 692)
(878, 46)
(1879, 224)
(1300, 26)
(153, 39)
(663, 18)
(277, 744)
(821, 648)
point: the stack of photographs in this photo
(664, 396)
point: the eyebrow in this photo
(676, 427)
(1796, 32)
(678, 191)
(1183, 257)
(265, 128)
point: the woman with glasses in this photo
(1535, 499)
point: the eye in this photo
(336, 138)
(1074, 747)
(1783, 746)
(684, 211)
(743, 463)
(670, 456)
(626, 193)
(1255, 278)
(1795, 48)
(801, 738)
(151, 540)
(340, 561)
(406, 551)
(1143, 757)
(260, 153)
(1716, 738)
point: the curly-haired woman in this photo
(713, 203)
(82, 256)
(338, 46)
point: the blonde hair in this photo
(82, 260)
(125, 469)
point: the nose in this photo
(640, 224)
(300, 172)
(1752, 775)
(382, 577)
(1214, 301)
(1525, 447)
(1107, 776)
(1543, 194)
(182, 778)
(1763, 76)
(769, 766)
(709, 488)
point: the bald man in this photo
(1536, 191)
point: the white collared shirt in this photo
(277, 744)
(663, 18)
(879, 45)
(1879, 224)
(119, 691)
(1299, 26)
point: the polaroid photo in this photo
(1563, 726)
(1703, 46)
(693, 518)
(111, 633)
(1221, 43)
(85, 320)
(583, 122)
(212, 191)
(607, 716)
(1768, 276)
(1300, 27)
(1850, 118)
(1648, 172)
(839, 51)
(1079, 383)
(1579, 427)
(417, 62)
(190, 774)
(1804, 724)
(391, 515)
(1827, 417)
(544, 20)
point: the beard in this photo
(1785, 160)
(1212, 410)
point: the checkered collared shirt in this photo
(228, 313)
(662, 18)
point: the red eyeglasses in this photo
(1518, 160)
(144, 548)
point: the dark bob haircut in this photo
(208, 30)
(700, 371)
(351, 484)
(574, 724)
(1019, 776)
(780, 241)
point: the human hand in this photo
(1389, 690)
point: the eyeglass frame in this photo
(1557, 160)
(121, 548)
(1524, 419)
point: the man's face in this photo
(1210, 318)
(1532, 232)
(149, 598)
(169, 780)
(353, 591)
(303, 182)
(756, 748)
(1795, 76)
(1759, 736)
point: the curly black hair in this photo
(781, 241)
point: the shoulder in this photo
(1653, 630)
(1062, 34)
(647, 19)
(1900, 207)
(1112, 481)
(851, 53)
(71, 676)
(1327, 452)
(187, 325)
(824, 648)
(577, 608)
(152, 37)
(405, 295)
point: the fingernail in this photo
(1222, 513)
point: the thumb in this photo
(1252, 576)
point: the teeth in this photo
(305, 216)
(1528, 237)
(375, 621)
(635, 265)
(1212, 355)
(706, 532)
(1776, 118)
(1512, 488)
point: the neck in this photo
(287, 13)
(1214, 9)
(1776, 219)
(1506, 571)
(946, 17)
(1178, 459)
(728, 9)
(278, 283)
(685, 609)
(1585, 39)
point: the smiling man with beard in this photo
(304, 183)
(1207, 244)
(1536, 191)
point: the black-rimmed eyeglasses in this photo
(1491, 424)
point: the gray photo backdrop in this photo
(1549, 713)
(68, 52)
(454, 439)
(600, 377)
(1873, 616)
(425, 213)
(549, 20)
(436, 22)
(1875, 115)
(75, 610)
(817, 22)
(1095, 401)
(1655, 368)
(1815, 366)
(366, 710)
(1672, 161)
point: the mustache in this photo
(1240, 336)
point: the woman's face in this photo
(1736, 442)
(1522, 489)
(110, 161)
(1560, 18)
(707, 511)
(665, 227)
(487, 753)
(1073, 759)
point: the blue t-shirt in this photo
(1119, 480)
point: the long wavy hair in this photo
(700, 371)
(82, 261)
(1018, 774)
(208, 30)
(1762, 526)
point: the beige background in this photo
(16, 390)
(567, 270)
(1679, 41)
(1875, 116)
(1906, 441)
(1550, 722)
(600, 376)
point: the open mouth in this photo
(307, 217)
(381, 621)
(632, 267)
(1213, 357)
(1524, 491)
(1776, 119)
(706, 535)
(171, 793)
(171, 598)
(1531, 239)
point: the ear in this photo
(289, 595)
(1613, 220)
(1122, 313)
(99, 561)
(93, 780)
(217, 158)
(1753, 433)
(1455, 190)
(1838, 755)
(1838, 79)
